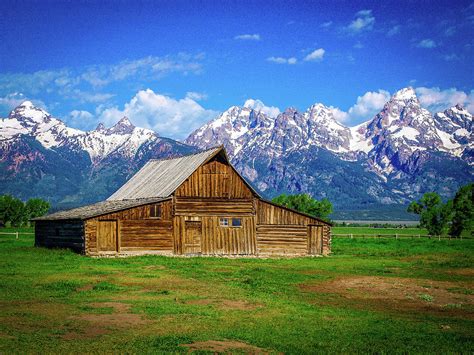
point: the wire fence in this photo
(392, 235)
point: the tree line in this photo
(16, 213)
(306, 204)
(453, 217)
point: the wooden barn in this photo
(193, 205)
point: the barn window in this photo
(224, 222)
(236, 222)
(155, 211)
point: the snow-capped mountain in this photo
(51, 132)
(41, 156)
(401, 152)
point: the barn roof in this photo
(98, 209)
(160, 178)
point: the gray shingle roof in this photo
(98, 209)
(160, 178)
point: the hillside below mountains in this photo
(393, 158)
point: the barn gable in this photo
(161, 178)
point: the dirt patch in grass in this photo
(88, 287)
(225, 304)
(154, 267)
(99, 324)
(224, 346)
(87, 333)
(463, 272)
(397, 294)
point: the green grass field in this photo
(371, 295)
(370, 231)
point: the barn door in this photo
(315, 240)
(192, 238)
(107, 236)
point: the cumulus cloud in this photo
(426, 43)
(248, 37)
(315, 55)
(258, 105)
(366, 106)
(364, 21)
(369, 104)
(435, 99)
(80, 119)
(167, 116)
(281, 60)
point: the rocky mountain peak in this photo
(100, 127)
(28, 114)
(405, 94)
(124, 126)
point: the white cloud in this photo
(167, 116)
(196, 96)
(435, 99)
(326, 24)
(450, 31)
(80, 119)
(258, 105)
(248, 37)
(394, 31)
(83, 83)
(10, 101)
(426, 43)
(451, 57)
(339, 115)
(315, 55)
(364, 21)
(367, 106)
(281, 60)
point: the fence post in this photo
(352, 236)
(396, 236)
(439, 237)
(16, 235)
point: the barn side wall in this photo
(60, 234)
(137, 232)
(283, 232)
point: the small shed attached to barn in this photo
(192, 205)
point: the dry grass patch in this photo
(399, 294)
(224, 346)
(225, 304)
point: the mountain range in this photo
(394, 157)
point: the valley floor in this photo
(371, 295)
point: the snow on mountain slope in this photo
(51, 132)
(401, 128)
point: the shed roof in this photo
(160, 178)
(98, 209)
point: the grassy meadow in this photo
(371, 295)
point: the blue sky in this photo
(172, 65)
